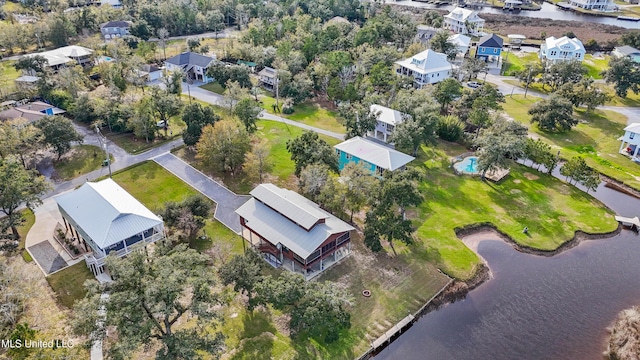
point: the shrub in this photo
(450, 128)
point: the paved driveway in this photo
(226, 201)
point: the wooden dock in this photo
(395, 330)
(629, 222)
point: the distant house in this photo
(489, 47)
(194, 65)
(462, 42)
(376, 157)
(267, 77)
(115, 29)
(116, 4)
(150, 72)
(601, 5)
(425, 33)
(65, 56)
(293, 232)
(631, 141)
(108, 219)
(463, 21)
(427, 67)
(388, 119)
(562, 49)
(250, 64)
(627, 51)
(32, 112)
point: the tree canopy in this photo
(499, 144)
(553, 114)
(58, 133)
(223, 145)
(148, 296)
(197, 116)
(309, 149)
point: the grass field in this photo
(80, 160)
(514, 62)
(68, 283)
(282, 167)
(595, 66)
(310, 114)
(8, 74)
(551, 209)
(213, 87)
(23, 230)
(594, 139)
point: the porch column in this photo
(321, 264)
(384, 136)
(77, 236)
(66, 226)
(84, 242)
(622, 146)
(126, 249)
(635, 153)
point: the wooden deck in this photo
(497, 175)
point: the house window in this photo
(347, 156)
(338, 152)
(330, 246)
(631, 135)
(379, 170)
(344, 237)
(314, 255)
(495, 51)
(553, 53)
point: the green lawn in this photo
(515, 62)
(632, 100)
(282, 167)
(551, 209)
(133, 145)
(68, 284)
(23, 230)
(152, 185)
(213, 87)
(594, 139)
(595, 66)
(310, 114)
(80, 160)
(8, 74)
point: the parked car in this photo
(473, 84)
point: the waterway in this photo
(536, 307)
(548, 11)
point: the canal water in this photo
(548, 11)
(536, 307)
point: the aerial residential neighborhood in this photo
(319, 180)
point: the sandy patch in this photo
(530, 176)
(517, 181)
(515, 191)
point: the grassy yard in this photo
(152, 185)
(282, 169)
(80, 160)
(213, 87)
(551, 209)
(309, 113)
(632, 100)
(514, 62)
(23, 230)
(133, 145)
(8, 74)
(68, 283)
(595, 65)
(594, 139)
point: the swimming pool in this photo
(468, 165)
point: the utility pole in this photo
(103, 143)
(526, 88)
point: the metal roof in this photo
(278, 229)
(374, 153)
(387, 115)
(426, 62)
(626, 50)
(290, 204)
(491, 40)
(107, 212)
(574, 43)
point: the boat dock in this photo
(629, 222)
(628, 18)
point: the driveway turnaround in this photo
(226, 200)
(47, 257)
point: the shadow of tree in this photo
(258, 333)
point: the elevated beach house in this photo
(627, 51)
(388, 119)
(115, 29)
(194, 65)
(65, 56)
(599, 5)
(562, 49)
(108, 219)
(462, 43)
(463, 21)
(292, 232)
(489, 47)
(376, 157)
(267, 77)
(427, 67)
(631, 141)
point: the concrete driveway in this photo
(226, 200)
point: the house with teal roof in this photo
(376, 157)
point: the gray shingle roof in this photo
(627, 50)
(116, 24)
(190, 58)
(279, 229)
(107, 212)
(491, 40)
